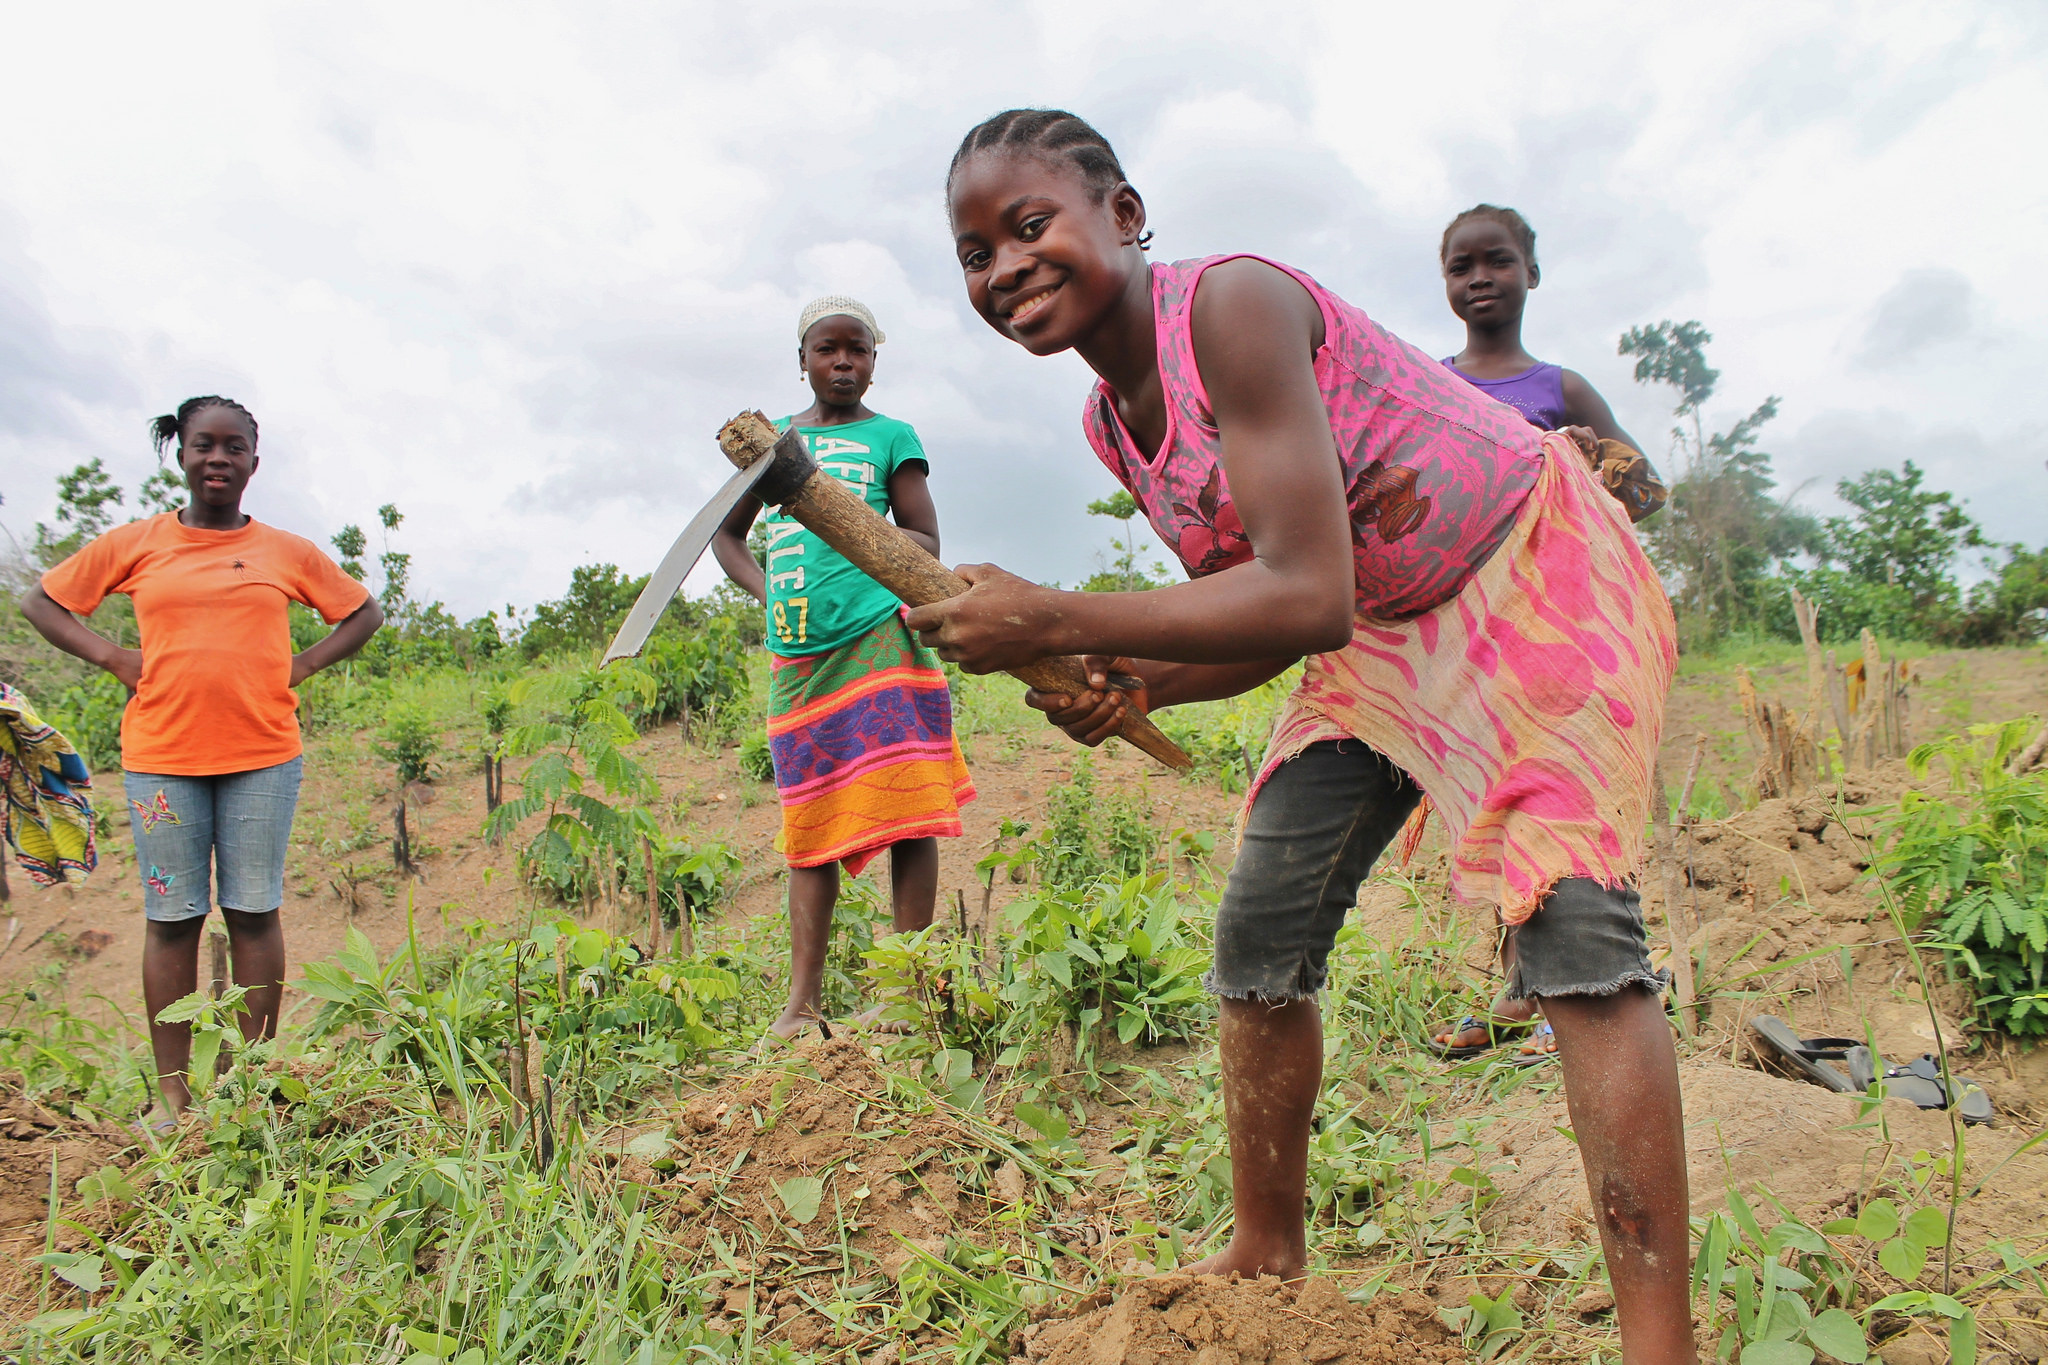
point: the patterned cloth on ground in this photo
(862, 739)
(1528, 707)
(48, 815)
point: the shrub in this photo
(1088, 836)
(1978, 858)
(1114, 953)
(409, 741)
(756, 760)
(89, 715)
(698, 677)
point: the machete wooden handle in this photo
(844, 521)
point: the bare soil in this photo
(1206, 1320)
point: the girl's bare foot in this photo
(1506, 1014)
(1247, 1262)
(786, 1027)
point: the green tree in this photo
(1124, 573)
(85, 501)
(396, 565)
(163, 491)
(1901, 533)
(349, 543)
(1889, 566)
(1121, 506)
(598, 599)
(1723, 532)
(2011, 608)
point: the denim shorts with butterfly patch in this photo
(195, 836)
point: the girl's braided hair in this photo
(171, 426)
(1517, 227)
(1054, 134)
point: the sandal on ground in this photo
(1498, 1031)
(1808, 1057)
(1920, 1081)
(1538, 1047)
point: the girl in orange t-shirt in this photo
(210, 739)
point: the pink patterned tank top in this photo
(1436, 471)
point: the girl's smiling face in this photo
(1045, 261)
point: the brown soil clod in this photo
(1208, 1320)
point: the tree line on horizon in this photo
(1730, 546)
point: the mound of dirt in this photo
(824, 1115)
(1784, 880)
(786, 1168)
(31, 1136)
(1214, 1321)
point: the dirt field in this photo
(1767, 886)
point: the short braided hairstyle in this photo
(171, 426)
(1517, 227)
(1054, 134)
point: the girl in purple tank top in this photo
(1476, 622)
(1488, 255)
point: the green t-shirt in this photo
(817, 601)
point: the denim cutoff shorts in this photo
(195, 836)
(1311, 838)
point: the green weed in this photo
(1978, 858)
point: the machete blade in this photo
(680, 559)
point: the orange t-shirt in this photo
(216, 691)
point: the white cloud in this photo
(510, 265)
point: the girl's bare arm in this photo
(910, 503)
(729, 547)
(76, 638)
(350, 634)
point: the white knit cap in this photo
(832, 305)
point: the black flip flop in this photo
(1808, 1056)
(1497, 1032)
(1920, 1081)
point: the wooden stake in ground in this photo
(401, 843)
(1808, 617)
(653, 897)
(1674, 919)
(218, 943)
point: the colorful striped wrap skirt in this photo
(1528, 707)
(862, 739)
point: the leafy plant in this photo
(692, 878)
(409, 741)
(1112, 953)
(757, 761)
(1978, 857)
(1783, 1313)
(89, 715)
(701, 677)
(939, 988)
(1088, 836)
(588, 844)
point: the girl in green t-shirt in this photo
(860, 722)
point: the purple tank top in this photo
(1537, 392)
(1435, 474)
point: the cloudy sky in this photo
(510, 265)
